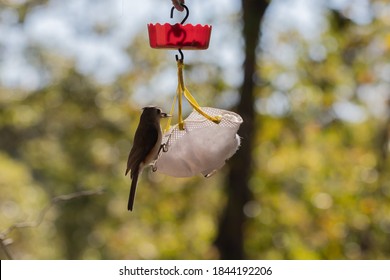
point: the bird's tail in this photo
(134, 178)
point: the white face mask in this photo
(202, 147)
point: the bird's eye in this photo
(158, 111)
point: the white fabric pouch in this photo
(202, 147)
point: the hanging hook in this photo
(182, 22)
(187, 13)
(181, 56)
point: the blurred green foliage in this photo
(321, 183)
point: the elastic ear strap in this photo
(168, 125)
(190, 98)
(195, 105)
(180, 90)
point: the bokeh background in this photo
(310, 78)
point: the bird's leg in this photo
(164, 147)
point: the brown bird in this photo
(146, 145)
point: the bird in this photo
(146, 146)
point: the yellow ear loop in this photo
(168, 125)
(179, 92)
(183, 90)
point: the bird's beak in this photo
(165, 115)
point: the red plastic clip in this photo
(178, 36)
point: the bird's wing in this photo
(144, 141)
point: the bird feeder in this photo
(201, 143)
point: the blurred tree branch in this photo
(5, 241)
(230, 239)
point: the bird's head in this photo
(153, 112)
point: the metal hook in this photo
(181, 56)
(187, 13)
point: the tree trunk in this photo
(230, 239)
